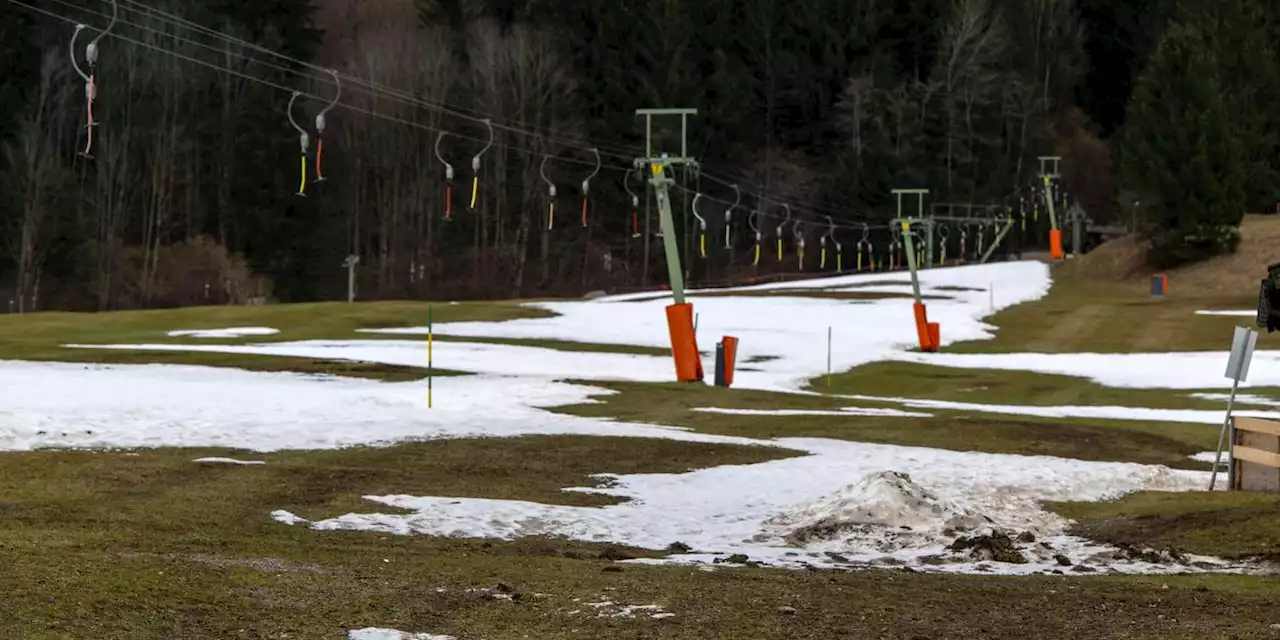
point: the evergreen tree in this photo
(1179, 153)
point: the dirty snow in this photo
(232, 461)
(756, 509)
(233, 332)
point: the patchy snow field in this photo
(845, 503)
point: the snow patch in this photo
(285, 517)
(1249, 313)
(229, 461)
(233, 332)
(1196, 416)
(374, 633)
(845, 412)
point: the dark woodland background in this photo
(1164, 112)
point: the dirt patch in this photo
(1076, 324)
(266, 565)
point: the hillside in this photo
(1121, 260)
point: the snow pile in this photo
(884, 499)
(233, 332)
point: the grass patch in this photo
(1003, 387)
(37, 336)
(1079, 316)
(151, 545)
(816, 293)
(1085, 439)
(1233, 524)
(558, 345)
(40, 336)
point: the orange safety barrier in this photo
(684, 343)
(730, 355)
(929, 333)
(1055, 244)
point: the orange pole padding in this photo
(730, 355)
(1055, 244)
(1164, 280)
(935, 336)
(924, 332)
(684, 344)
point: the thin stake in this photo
(828, 356)
(430, 340)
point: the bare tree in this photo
(521, 76)
(41, 177)
(968, 78)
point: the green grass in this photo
(1232, 524)
(1086, 439)
(151, 545)
(40, 336)
(1006, 387)
(1079, 317)
(558, 345)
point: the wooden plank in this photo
(1258, 425)
(1256, 456)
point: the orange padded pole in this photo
(1055, 244)
(730, 356)
(922, 326)
(684, 344)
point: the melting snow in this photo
(229, 461)
(233, 332)
(793, 330)
(1199, 416)
(374, 633)
(845, 502)
(1250, 313)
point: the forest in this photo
(1162, 111)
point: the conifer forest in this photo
(184, 190)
